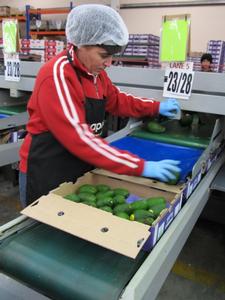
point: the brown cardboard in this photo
(114, 181)
(143, 181)
(92, 224)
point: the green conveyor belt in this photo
(62, 266)
(13, 110)
(175, 134)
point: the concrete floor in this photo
(199, 272)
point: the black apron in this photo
(50, 164)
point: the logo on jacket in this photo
(97, 127)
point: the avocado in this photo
(90, 203)
(87, 188)
(73, 197)
(155, 127)
(122, 208)
(156, 209)
(102, 195)
(106, 208)
(107, 201)
(140, 214)
(118, 199)
(87, 196)
(175, 180)
(121, 191)
(122, 215)
(140, 204)
(102, 188)
(155, 201)
(186, 119)
(148, 221)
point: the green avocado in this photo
(87, 188)
(90, 203)
(122, 208)
(140, 204)
(122, 215)
(73, 197)
(107, 201)
(155, 127)
(140, 214)
(175, 180)
(102, 188)
(186, 120)
(155, 201)
(156, 209)
(121, 191)
(102, 195)
(87, 196)
(148, 221)
(106, 208)
(118, 199)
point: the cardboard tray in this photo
(100, 227)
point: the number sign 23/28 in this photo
(178, 83)
(12, 69)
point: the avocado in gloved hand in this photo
(175, 180)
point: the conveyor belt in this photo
(154, 151)
(13, 109)
(62, 266)
(176, 134)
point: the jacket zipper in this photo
(96, 86)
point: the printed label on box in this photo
(169, 219)
(161, 229)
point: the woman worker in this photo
(67, 108)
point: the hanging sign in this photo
(10, 35)
(175, 38)
(178, 80)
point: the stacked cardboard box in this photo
(195, 57)
(47, 49)
(144, 45)
(217, 49)
(4, 11)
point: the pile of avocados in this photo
(114, 201)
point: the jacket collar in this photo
(76, 63)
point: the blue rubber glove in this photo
(169, 108)
(162, 170)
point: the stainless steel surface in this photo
(219, 181)
(9, 153)
(14, 121)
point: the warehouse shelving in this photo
(19, 18)
(37, 13)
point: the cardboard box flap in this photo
(142, 181)
(91, 224)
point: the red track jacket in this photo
(57, 105)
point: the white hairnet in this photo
(95, 24)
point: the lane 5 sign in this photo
(178, 81)
(12, 69)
